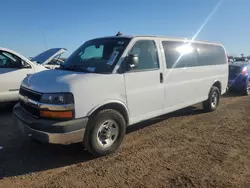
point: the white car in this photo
(14, 68)
(50, 58)
(113, 82)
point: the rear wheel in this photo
(213, 100)
(105, 132)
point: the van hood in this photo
(54, 81)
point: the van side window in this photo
(211, 54)
(147, 53)
(180, 54)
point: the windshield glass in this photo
(97, 55)
(41, 58)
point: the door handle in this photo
(161, 77)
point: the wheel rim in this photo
(107, 133)
(248, 89)
(214, 100)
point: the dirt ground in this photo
(188, 148)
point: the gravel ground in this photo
(188, 148)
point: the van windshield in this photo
(97, 55)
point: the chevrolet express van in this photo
(113, 82)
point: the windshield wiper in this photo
(75, 68)
(93, 58)
(63, 67)
(84, 69)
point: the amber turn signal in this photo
(51, 114)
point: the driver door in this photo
(12, 72)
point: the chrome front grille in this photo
(30, 94)
(30, 109)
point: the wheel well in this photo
(218, 85)
(115, 106)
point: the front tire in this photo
(104, 132)
(211, 104)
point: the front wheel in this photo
(105, 132)
(213, 100)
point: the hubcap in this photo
(214, 99)
(107, 133)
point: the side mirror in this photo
(132, 60)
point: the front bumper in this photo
(50, 131)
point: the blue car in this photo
(239, 77)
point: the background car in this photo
(50, 58)
(239, 77)
(14, 68)
(241, 59)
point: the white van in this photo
(14, 68)
(113, 82)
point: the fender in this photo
(218, 84)
(110, 102)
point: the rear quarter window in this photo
(200, 54)
(211, 54)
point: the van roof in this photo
(162, 37)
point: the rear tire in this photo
(211, 104)
(104, 132)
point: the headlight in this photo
(57, 98)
